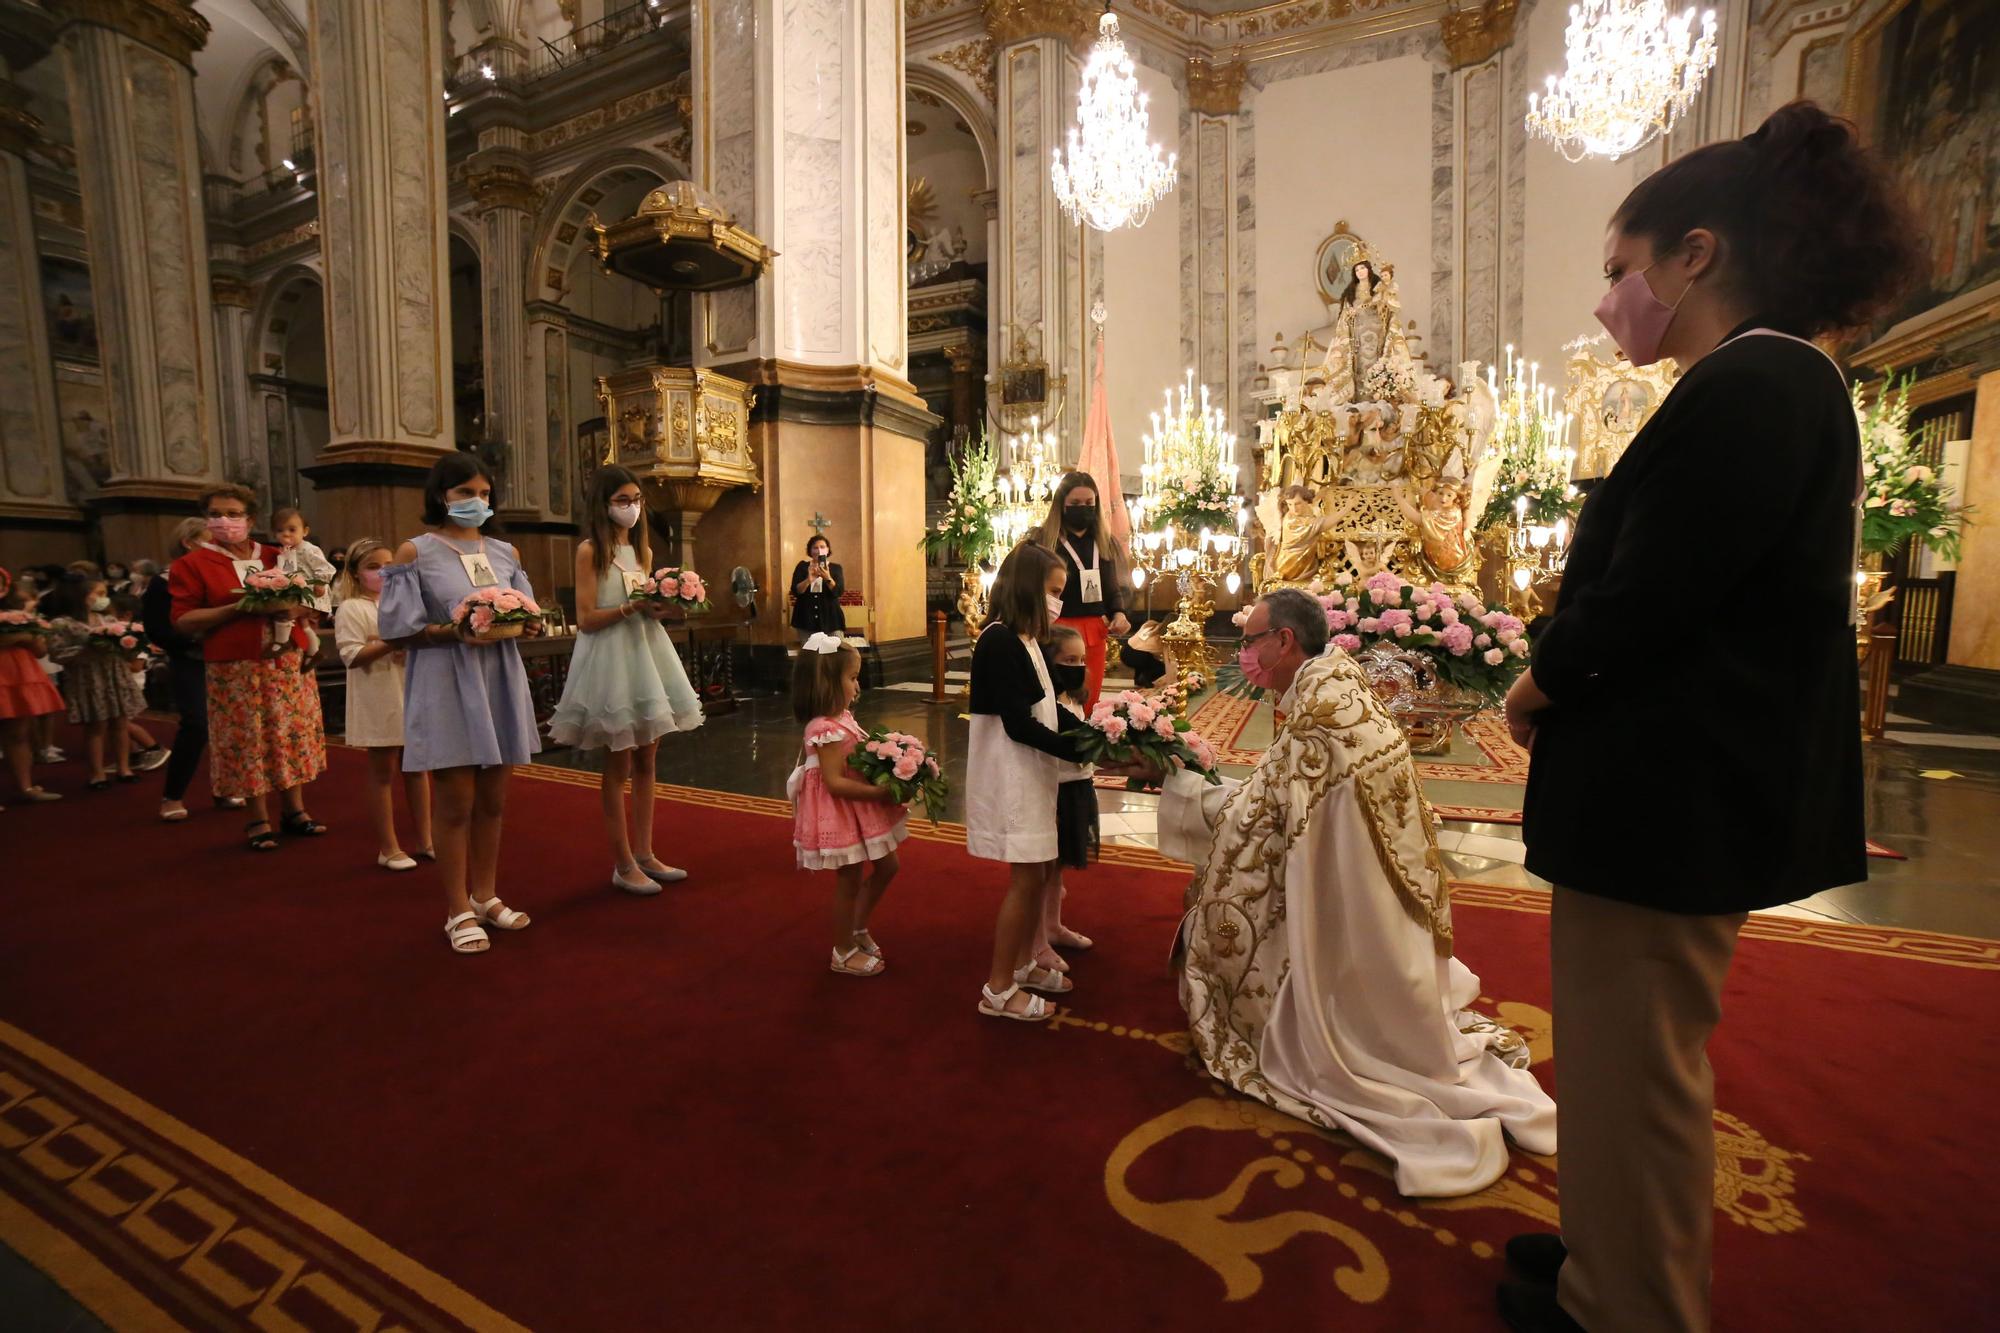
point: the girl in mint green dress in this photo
(626, 685)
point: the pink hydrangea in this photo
(1336, 620)
(1495, 656)
(1347, 643)
(1458, 639)
(1396, 622)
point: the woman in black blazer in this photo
(816, 587)
(1694, 729)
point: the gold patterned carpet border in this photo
(1880, 941)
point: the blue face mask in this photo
(469, 513)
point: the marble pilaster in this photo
(31, 479)
(243, 459)
(378, 109)
(132, 101)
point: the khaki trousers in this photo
(1637, 993)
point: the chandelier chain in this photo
(1632, 70)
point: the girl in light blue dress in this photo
(467, 714)
(626, 686)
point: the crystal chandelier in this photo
(1113, 176)
(1632, 70)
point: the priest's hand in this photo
(1525, 701)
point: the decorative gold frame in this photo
(1358, 251)
(1594, 376)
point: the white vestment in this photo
(1318, 974)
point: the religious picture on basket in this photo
(264, 721)
(840, 820)
(1093, 598)
(458, 600)
(816, 586)
(375, 670)
(626, 687)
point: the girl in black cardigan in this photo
(1011, 773)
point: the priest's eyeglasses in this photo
(1250, 640)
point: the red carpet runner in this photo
(230, 1081)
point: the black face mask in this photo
(1080, 518)
(1067, 679)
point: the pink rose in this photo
(482, 619)
(1113, 728)
(906, 768)
(1369, 625)
(691, 588)
(128, 643)
(1347, 643)
(1141, 715)
(1495, 656)
(1489, 619)
(1918, 473)
(1449, 615)
(1509, 635)
(1518, 647)
(1240, 619)
(1484, 641)
(1426, 610)
(1163, 725)
(1353, 606)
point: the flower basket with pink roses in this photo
(266, 590)
(899, 761)
(672, 586)
(494, 613)
(23, 629)
(1133, 727)
(123, 639)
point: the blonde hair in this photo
(187, 530)
(816, 677)
(348, 585)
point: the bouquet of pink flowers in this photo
(673, 586)
(1131, 726)
(1473, 647)
(899, 761)
(22, 629)
(118, 638)
(265, 589)
(494, 613)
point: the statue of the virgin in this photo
(1367, 328)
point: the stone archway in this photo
(288, 381)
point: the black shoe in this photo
(1529, 1307)
(1537, 1256)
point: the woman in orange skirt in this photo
(1093, 599)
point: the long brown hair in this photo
(1051, 535)
(1021, 587)
(605, 536)
(816, 683)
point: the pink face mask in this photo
(371, 579)
(231, 530)
(1253, 670)
(1636, 319)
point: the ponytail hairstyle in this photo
(348, 581)
(816, 682)
(606, 536)
(1816, 234)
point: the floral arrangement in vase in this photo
(1133, 726)
(899, 761)
(494, 613)
(968, 522)
(672, 586)
(1902, 496)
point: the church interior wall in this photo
(1142, 298)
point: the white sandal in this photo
(465, 934)
(843, 963)
(1050, 982)
(497, 914)
(868, 944)
(995, 1005)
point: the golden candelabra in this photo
(1532, 435)
(1182, 517)
(1027, 479)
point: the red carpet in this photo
(652, 1113)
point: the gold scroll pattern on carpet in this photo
(1755, 1181)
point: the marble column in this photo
(32, 497)
(1215, 97)
(1039, 296)
(798, 109)
(1486, 189)
(378, 113)
(233, 300)
(505, 197)
(131, 88)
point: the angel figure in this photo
(1442, 517)
(1370, 552)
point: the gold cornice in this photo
(20, 128)
(1474, 36)
(503, 186)
(171, 27)
(1010, 21)
(231, 291)
(1215, 90)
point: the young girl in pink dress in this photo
(841, 822)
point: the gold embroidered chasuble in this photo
(1318, 973)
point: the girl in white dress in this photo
(375, 705)
(1012, 769)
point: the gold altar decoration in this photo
(1187, 521)
(1609, 398)
(684, 433)
(677, 241)
(1023, 391)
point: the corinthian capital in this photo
(1215, 90)
(170, 27)
(1010, 21)
(1472, 36)
(501, 184)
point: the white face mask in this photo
(626, 515)
(100, 604)
(1055, 607)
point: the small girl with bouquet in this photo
(840, 821)
(1076, 798)
(25, 691)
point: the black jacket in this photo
(1074, 607)
(813, 612)
(1004, 683)
(1703, 754)
(156, 606)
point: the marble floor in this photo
(1933, 796)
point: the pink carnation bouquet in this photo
(494, 613)
(118, 638)
(899, 761)
(266, 590)
(22, 629)
(1132, 727)
(672, 586)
